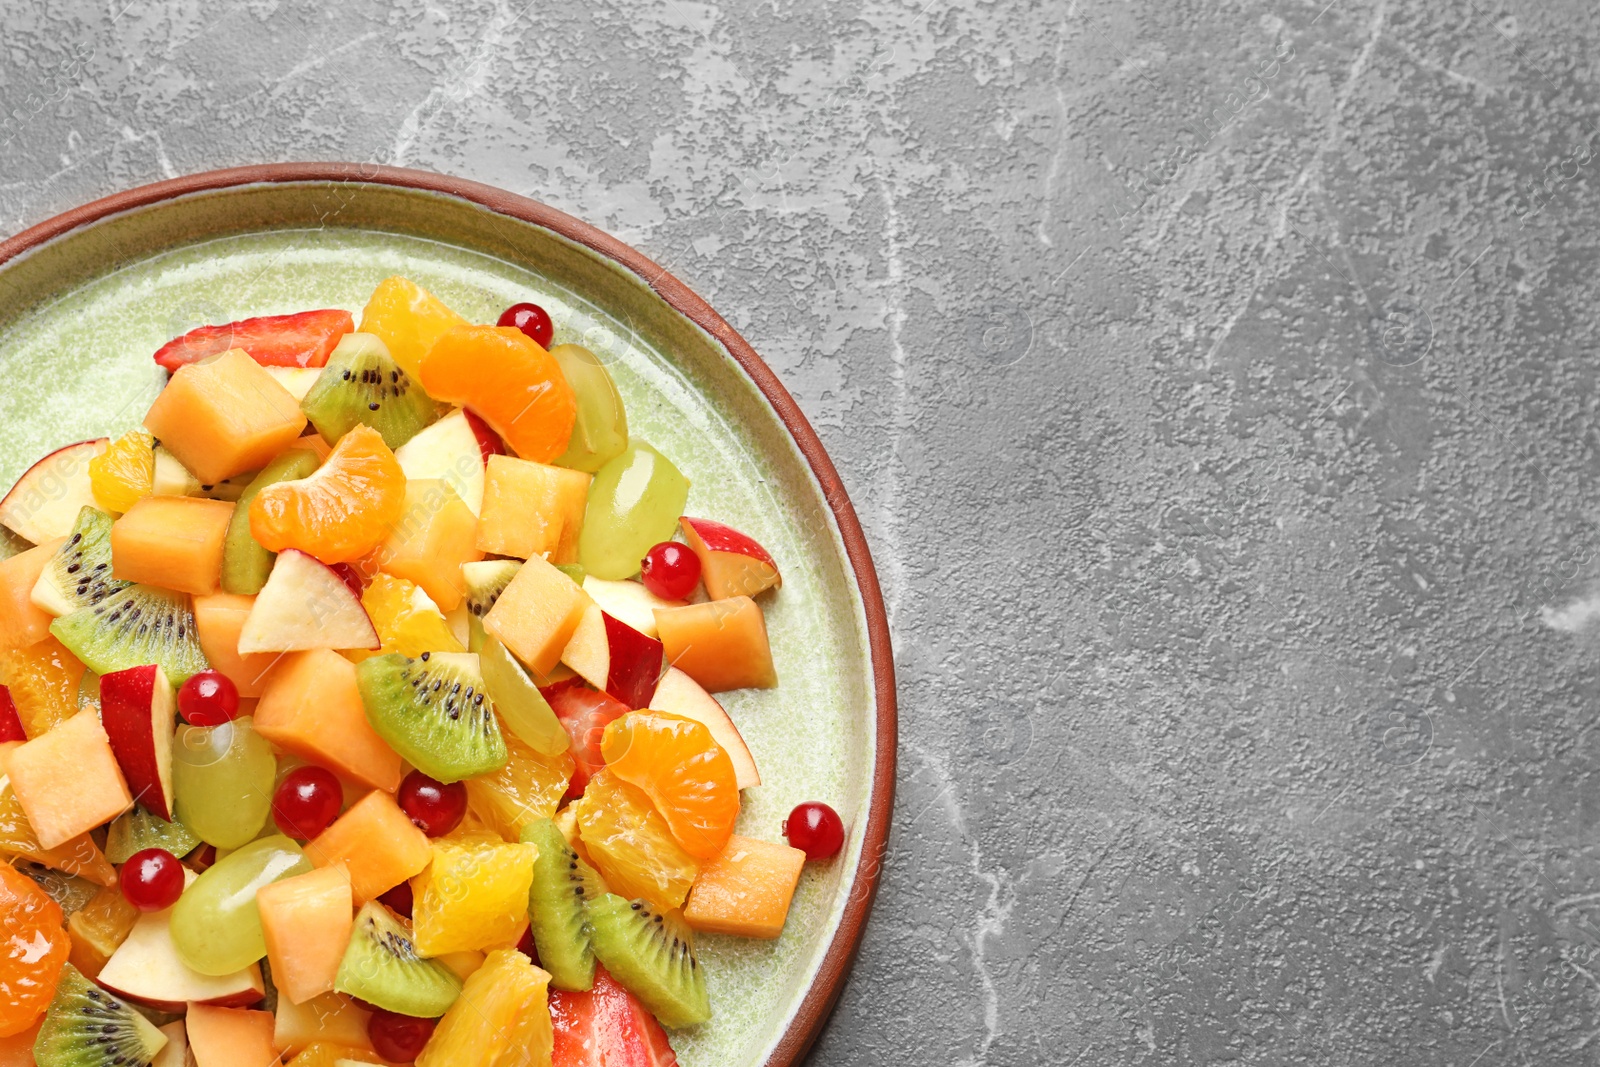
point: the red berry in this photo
(532, 320)
(307, 802)
(670, 570)
(152, 880)
(399, 900)
(10, 721)
(399, 1037)
(208, 699)
(436, 808)
(815, 829)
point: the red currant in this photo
(208, 699)
(532, 320)
(152, 880)
(670, 570)
(399, 1037)
(307, 802)
(399, 900)
(815, 829)
(436, 808)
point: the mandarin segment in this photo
(125, 472)
(685, 773)
(630, 844)
(340, 513)
(33, 949)
(508, 380)
(407, 620)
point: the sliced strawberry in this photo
(10, 722)
(304, 339)
(606, 1027)
(584, 713)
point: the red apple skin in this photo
(635, 665)
(731, 563)
(137, 710)
(489, 442)
(40, 470)
(720, 537)
(244, 999)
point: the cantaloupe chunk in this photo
(331, 1019)
(21, 622)
(436, 534)
(307, 921)
(231, 1037)
(224, 417)
(174, 542)
(722, 644)
(532, 509)
(537, 614)
(377, 844)
(311, 706)
(68, 781)
(746, 891)
(218, 620)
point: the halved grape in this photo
(216, 926)
(634, 502)
(601, 432)
(223, 777)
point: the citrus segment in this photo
(408, 622)
(529, 787)
(340, 513)
(512, 383)
(125, 472)
(684, 772)
(502, 1018)
(33, 949)
(474, 895)
(631, 845)
(43, 679)
(408, 319)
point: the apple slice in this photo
(731, 563)
(46, 500)
(448, 450)
(612, 656)
(679, 694)
(139, 713)
(305, 605)
(297, 381)
(147, 968)
(629, 602)
(176, 1051)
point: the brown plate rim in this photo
(806, 1023)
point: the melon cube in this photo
(474, 895)
(307, 921)
(376, 843)
(224, 416)
(21, 622)
(532, 509)
(722, 644)
(746, 891)
(311, 706)
(218, 621)
(331, 1019)
(231, 1037)
(68, 781)
(537, 614)
(436, 534)
(174, 542)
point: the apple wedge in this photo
(305, 605)
(450, 451)
(139, 713)
(146, 967)
(629, 602)
(46, 500)
(679, 694)
(613, 656)
(731, 563)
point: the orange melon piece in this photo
(21, 621)
(746, 890)
(79, 856)
(231, 1037)
(307, 921)
(311, 706)
(68, 782)
(537, 614)
(408, 319)
(174, 542)
(531, 509)
(722, 644)
(224, 417)
(377, 844)
(436, 534)
(332, 1019)
(218, 621)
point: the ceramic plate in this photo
(88, 296)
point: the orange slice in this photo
(33, 949)
(43, 679)
(505, 377)
(684, 772)
(631, 845)
(125, 472)
(340, 513)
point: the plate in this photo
(86, 297)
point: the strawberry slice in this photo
(10, 721)
(606, 1027)
(304, 339)
(584, 712)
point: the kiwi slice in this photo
(245, 564)
(363, 385)
(485, 582)
(79, 574)
(138, 625)
(434, 712)
(136, 830)
(651, 953)
(562, 885)
(381, 967)
(87, 1027)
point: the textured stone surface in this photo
(1214, 380)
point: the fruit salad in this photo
(360, 707)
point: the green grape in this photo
(216, 926)
(222, 777)
(601, 432)
(634, 504)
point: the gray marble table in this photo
(1215, 382)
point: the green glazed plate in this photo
(86, 298)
